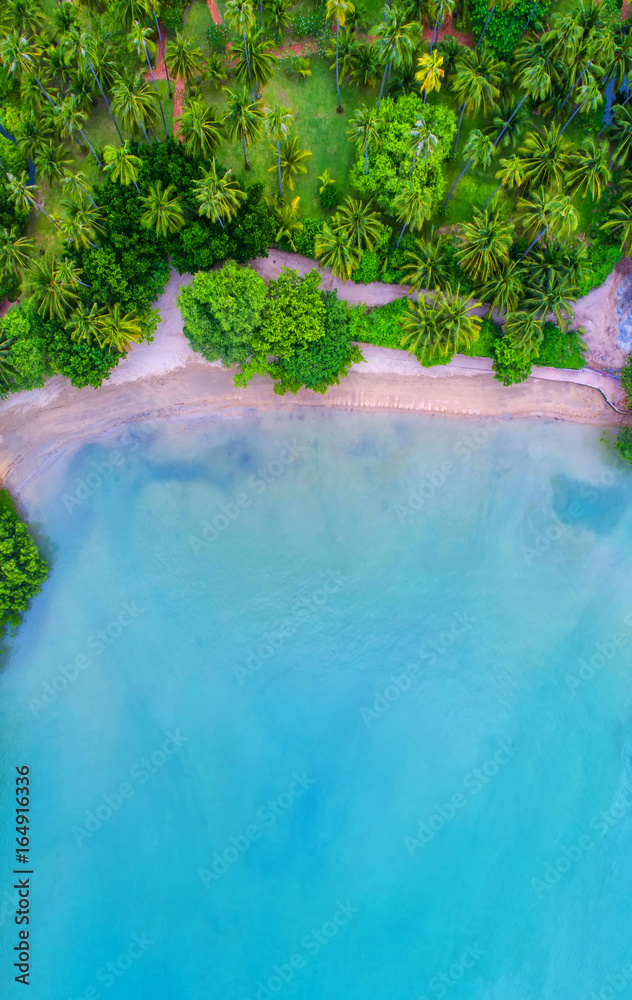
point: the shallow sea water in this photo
(327, 705)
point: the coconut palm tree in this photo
(451, 50)
(243, 119)
(360, 225)
(443, 8)
(396, 39)
(218, 197)
(76, 185)
(135, 103)
(292, 160)
(277, 124)
(53, 285)
(509, 122)
(546, 157)
(80, 223)
(525, 330)
(555, 214)
(261, 61)
(484, 245)
(7, 369)
(479, 149)
(412, 206)
(122, 165)
(332, 250)
(25, 16)
(504, 291)
(511, 175)
(339, 9)
(15, 252)
(80, 47)
(17, 56)
(241, 17)
(427, 266)
(51, 161)
(620, 218)
(201, 129)
(363, 64)
(120, 330)
(155, 10)
(287, 221)
(476, 83)
(23, 195)
(184, 59)
(535, 78)
(429, 72)
(32, 135)
(589, 169)
(162, 209)
(69, 120)
(622, 134)
(85, 323)
(438, 327)
(553, 294)
(141, 42)
(422, 143)
(128, 11)
(364, 131)
(280, 15)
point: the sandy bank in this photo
(166, 379)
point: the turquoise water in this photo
(327, 706)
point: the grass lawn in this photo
(197, 21)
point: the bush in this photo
(171, 12)
(218, 38)
(328, 197)
(304, 241)
(28, 353)
(325, 361)
(389, 165)
(313, 23)
(485, 344)
(560, 350)
(603, 256)
(222, 310)
(22, 569)
(505, 28)
(380, 325)
(623, 443)
(510, 365)
(626, 379)
(368, 269)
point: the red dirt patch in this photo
(215, 14)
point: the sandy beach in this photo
(166, 380)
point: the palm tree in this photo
(218, 197)
(119, 331)
(135, 103)
(476, 83)
(364, 131)
(443, 8)
(339, 9)
(31, 136)
(511, 175)
(535, 78)
(451, 50)
(546, 157)
(76, 185)
(80, 48)
(244, 120)
(554, 294)
(7, 369)
(85, 324)
(25, 16)
(332, 250)
(427, 266)
(509, 122)
(53, 286)
(128, 11)
(429, 72)
(413, 207)
(292, 160)
(280, 14)
(525, 330)
(201, 129)
(288, 222)
(590, 169)
(622, 138)
(17, 56)
(557, 214)
(141, 42)
(277, 124)
(15, 252)
(363, 64)
(484, 245)
(184, 59)
(22, 195)
(51, 161)
(342, 52)
(480, 149)
(621, 218)
(361, 226)
(440, 326)
(122, 165)
(261, 61)
(422, 143)
(396, 39)
(504, 291)
(241, 17)
(69, 120)
(163, 210)
(80, 223)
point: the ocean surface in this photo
(331, 706)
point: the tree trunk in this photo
(529, 18)
(501, 134)
(589, 63)
(337, 74)
(261, 14)
(456, 141)
(217, 216)
(412, 166)
(485, 27)
(48, 98)
(98, 83)
(492, 195)
(162, 49)
(434, 30)
(87, 142)
(535, 241)
(382, 87)
(243, 136)
(400, 235)
(366, 158)
(143, 128)
(279, 166)
(162, 110)
(577, 109)
(457, 181)
(388, 79)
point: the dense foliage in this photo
(506, 27)
(22, 569)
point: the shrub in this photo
(368, 269)
(624, 443)
(28, 353)
(603, 256)
(560, 350)
(510, 365)
(304, 241)
(389, 165)
(626, 379)
(328, 197)
(380, 325)
(313, 23)
(505, 28)
(22, 569)
(218, 38)
(171, 12)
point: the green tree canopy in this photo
(22, 569)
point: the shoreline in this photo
(165, 380)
